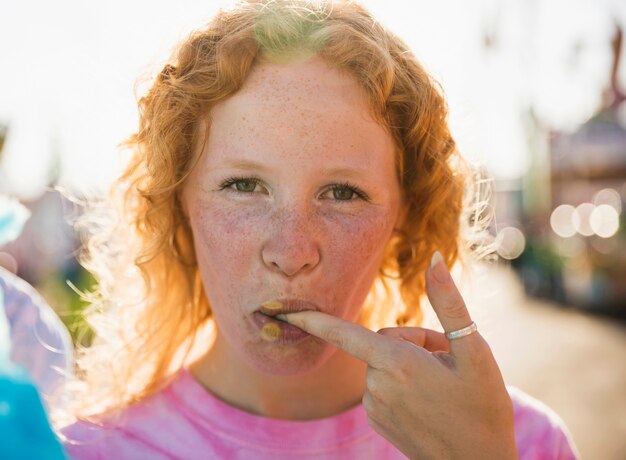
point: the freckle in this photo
(270, 332)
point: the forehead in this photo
(298, 82)
(308, 108)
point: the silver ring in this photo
(462, 332)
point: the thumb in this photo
(422, 337)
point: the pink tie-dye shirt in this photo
(184, 421)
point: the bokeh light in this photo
(610, 197)
(510, 242)
(581, 218)
(604, 221)
(562, 222)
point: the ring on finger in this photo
(462, 332)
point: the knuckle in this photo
(335, 337)
(368, 402)
(374, 387)
(456, 308)
(400, 368)
(396, 365)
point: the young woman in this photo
(294, 187)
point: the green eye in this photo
(346, 191)
(245, 186)
(344, 194)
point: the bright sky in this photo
(69, 68)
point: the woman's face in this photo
(293, 200)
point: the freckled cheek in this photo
(354, 254)
(227, 248)
(227, 237)
(360, 240)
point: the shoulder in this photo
(85, 440)
(539, 431)
(100, 440)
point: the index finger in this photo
(352, 338)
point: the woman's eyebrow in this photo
(348, 172)
(238, 163)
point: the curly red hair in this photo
(138, 338)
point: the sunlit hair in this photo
(150, 303)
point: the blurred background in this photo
(536, 90)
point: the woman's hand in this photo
(431, 400)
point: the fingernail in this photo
(437, 257)
(438, 268)
(282, 317)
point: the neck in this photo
(334, 387)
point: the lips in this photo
(283, 306)
(288, 334)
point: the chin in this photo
(288, 361)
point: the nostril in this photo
(291, 252)
(290, 269)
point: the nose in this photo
(292, 246)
